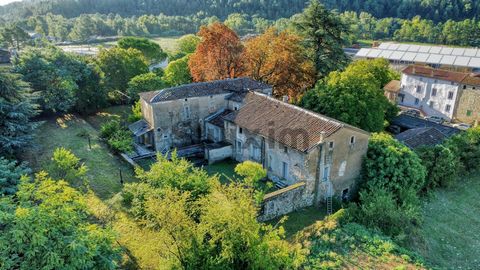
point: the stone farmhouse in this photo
(452, 95)
(312, 157)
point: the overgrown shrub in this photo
(466, 146)
(442, 166)
(118, 138)
(392, 166)
(136, 113)
(66, 166)
(379, 209)
(393, 175)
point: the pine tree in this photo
(17, 107)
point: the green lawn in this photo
(119, 113)
(300, 219)
(104, 167)
(225, 169)
(451, 229)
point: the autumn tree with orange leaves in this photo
(218, 56)
(279, 59)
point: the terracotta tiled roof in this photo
(392, 86)
(284, 123)
(472, 80)
(204, 89)
(218, 119)
(439, 74)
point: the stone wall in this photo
(218, 154)
(284, 201)
(179, 122)
(468, 107)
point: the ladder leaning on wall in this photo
(329, 197)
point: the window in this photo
(240, 130)
(352, 140)
(464, 87)
(435, 81)
(417, 101)
(401, 97)
(434, 92)
(186, 99)
(326, 173)
(186, 111)
(452, 83)
(345, 195)
(469, 113)
(239, 147)
(450, 95)
(447, 108)
(284, 170)
(419, 89)
(331, 145)
(235, 108)
(285, 149)
(431, 104)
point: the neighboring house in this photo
(418, 137)
(448, 94)
(313, 156)
(401, 55)
(391, 90)
(407, 122)
(468, 105)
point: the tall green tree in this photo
(65, 81)
(393, 167)
(14, 36)
(355, 95)
(47, 227)
(151, 50)
(120, 66)
(177, 72)
(324, 33)
(17, 108)
(144, 83)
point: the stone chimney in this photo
(285, 99)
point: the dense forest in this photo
(438, 10)
(271, 9)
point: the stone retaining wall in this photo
(284, 201)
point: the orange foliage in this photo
(218, 56)
(280, 60)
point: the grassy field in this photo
(451, 229)
(119, 113)
(64, 131)
(167, 43)
(225, 169)
(300, 219)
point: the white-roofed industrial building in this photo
(402, 55)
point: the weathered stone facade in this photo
(283, 201)
(468, 106)
(312, 155)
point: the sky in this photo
(4, 2)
